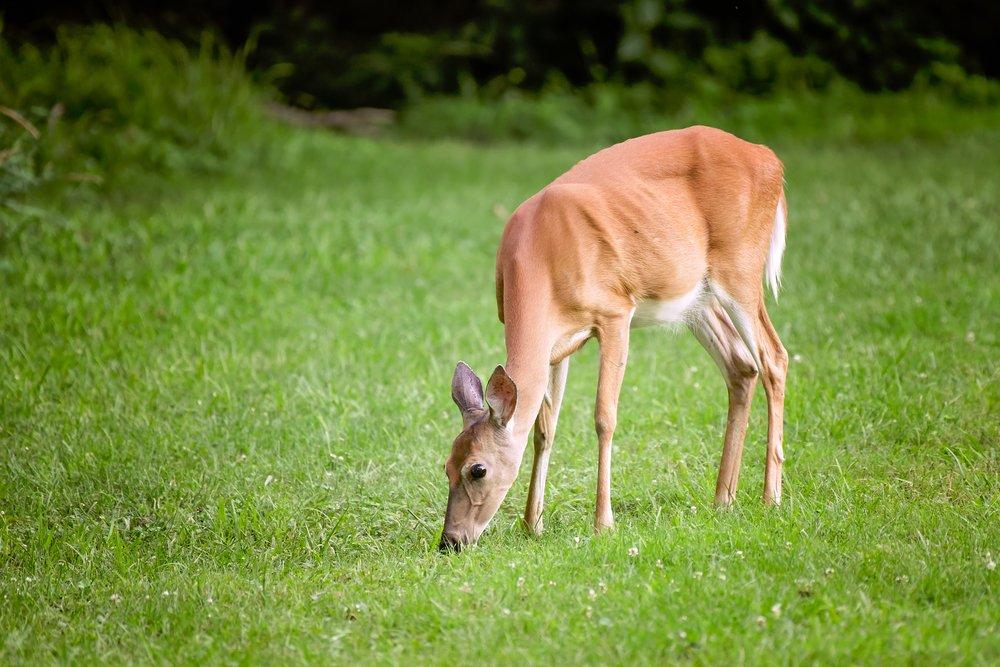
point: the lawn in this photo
(224, 407)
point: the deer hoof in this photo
(604, 524)
(534, 526)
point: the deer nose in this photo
(449, 543)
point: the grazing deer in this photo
(676, 226)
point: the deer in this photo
(676, 227)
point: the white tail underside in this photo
(772, 270)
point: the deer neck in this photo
(529, 341)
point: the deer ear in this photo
(501, 394)
(466, 391)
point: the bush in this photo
(102, 101)
(757, 88)
(764, 65)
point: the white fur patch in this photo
(578, 337)
(740, 319)
(650, 312)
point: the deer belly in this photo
(652, 312)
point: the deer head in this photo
(483, 462)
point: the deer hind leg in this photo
(614, 340)
(775, 369)
(750, 319)
(715, 331)
(545, 433)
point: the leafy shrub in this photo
(965, 88)
(105, 100)
(755, 87)
(350, 53)
(763, 64)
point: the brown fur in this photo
(646, 219)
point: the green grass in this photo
(224, 405)
(601, 114)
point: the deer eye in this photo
(478, 471)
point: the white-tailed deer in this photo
(677, 226)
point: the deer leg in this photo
(614, 340)
(749, 317)
(715, 331)
(774, 369)
(545, 433)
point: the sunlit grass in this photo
(224, 407)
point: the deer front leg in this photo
(545, 432)
(614, 355)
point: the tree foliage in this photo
(354, 53)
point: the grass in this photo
(602, 114)
(224, 407)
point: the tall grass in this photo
(603, 113)
(105, 100)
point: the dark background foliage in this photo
(355, 53)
